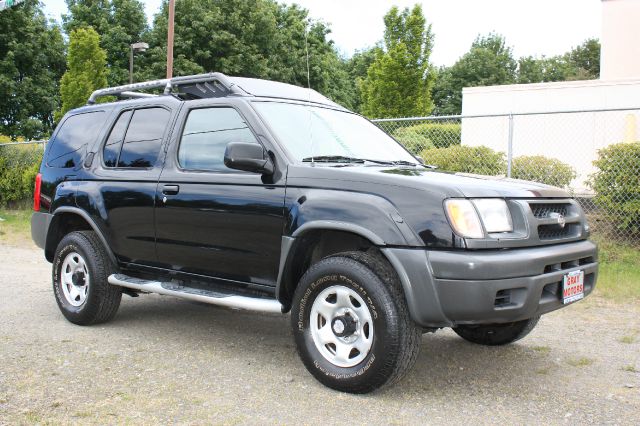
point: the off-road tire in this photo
(396, 338)
(496, 334)
(102, 299)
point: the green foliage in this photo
(19, 165)
(399, 81)
(428, 135)
(581, 63)
(86, 69)
(617, 185)
(31, 63)
(357, 68)
(118, 22)
(542, 169)
(489, 62)
(261, 39)
(467, 159)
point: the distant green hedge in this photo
(617, 185)
(467, 159)
(485, 161)
(428, 135)
(543, 169)
(19, 165)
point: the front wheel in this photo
(351, 324)
(496, 334)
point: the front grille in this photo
(556, 232)
(556, 267)
(556, 220)
(543, 210)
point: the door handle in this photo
(170, 189)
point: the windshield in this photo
(322, 133)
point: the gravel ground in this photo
(164, 360)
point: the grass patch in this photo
(629, 368)
(15, 226)
(629, 338)
(580, 362)
(542, 349)
(619, 277)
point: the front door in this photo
(211, 220)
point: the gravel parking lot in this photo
(166, 360)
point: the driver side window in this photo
(206, 135)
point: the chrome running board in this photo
(210, 297)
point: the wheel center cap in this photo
(77, 278)
(343, 326)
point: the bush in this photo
(468, 159)
(542, 169)
(617, 185)
(19, 165)
(428, 135)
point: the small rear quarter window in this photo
(70, 144)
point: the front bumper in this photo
(446, 288)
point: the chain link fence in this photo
(594, 154)
(19, 163)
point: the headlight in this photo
(468, 216)
(464, 218)
(495, 215)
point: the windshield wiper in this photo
(403, 163)
(347, 159)
(333, 159)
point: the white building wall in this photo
(620, 56)
(571, 138)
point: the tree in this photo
(357, 67)
(489, 62)
(580, 63)
(31, 63)
(261, 39)
(399, 81)
(118, 22)
(86, 69)
(586, 57)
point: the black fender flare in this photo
(75, 210)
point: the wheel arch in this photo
(314, 241)
(68, 219)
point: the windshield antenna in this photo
(306, 48)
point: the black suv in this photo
(260, 195)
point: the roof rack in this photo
(193, 87)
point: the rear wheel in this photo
(496, 334)
(81, 267)
(351, 324)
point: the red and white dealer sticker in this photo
(573, 287)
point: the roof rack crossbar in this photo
(127, 88)
(131, 90)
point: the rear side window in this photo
(113, 145)
(206, 135)
(71, 141)
(136, 138)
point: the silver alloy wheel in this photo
(341, 326)
(74, 279)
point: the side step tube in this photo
(230, 301)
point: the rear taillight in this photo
(36, 192)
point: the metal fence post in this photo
(510, 146)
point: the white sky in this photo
(531, 27)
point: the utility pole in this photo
(172, 12)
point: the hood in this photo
(450, 184)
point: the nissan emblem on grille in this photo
(559, 217)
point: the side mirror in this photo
(249, 157)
